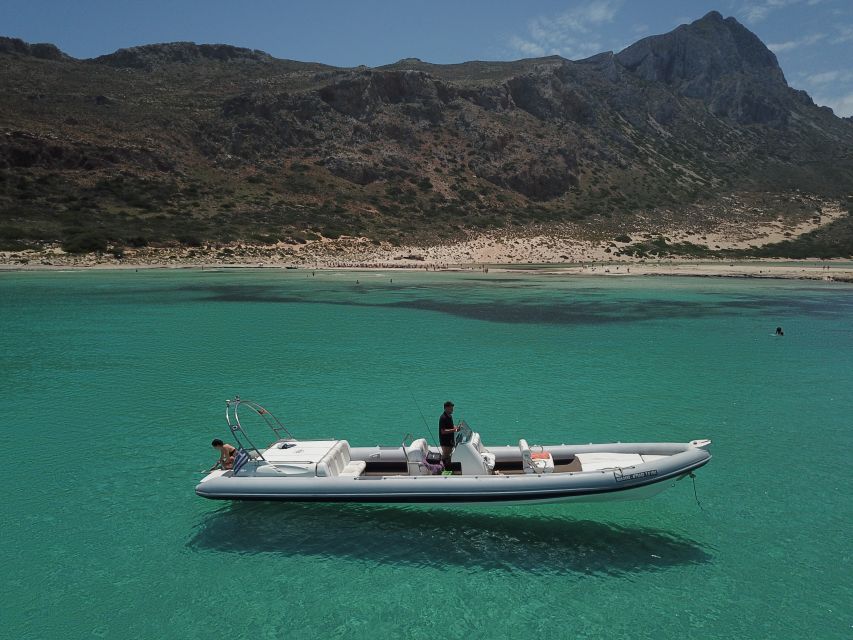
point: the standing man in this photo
(445, 433)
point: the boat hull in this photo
(673, 461)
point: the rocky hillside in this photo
(211, 143)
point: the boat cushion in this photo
(335, 460)
(354, 468)
(543, 462)
(489, 459)
(605, 460)
(417, 451)
(539, 462)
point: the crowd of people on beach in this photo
(398, 265)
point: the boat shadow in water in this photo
(438, 538)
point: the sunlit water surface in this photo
(115, 384)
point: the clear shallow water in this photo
(115, 384)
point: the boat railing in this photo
(407, 438)
(421, 465)
(232, 418)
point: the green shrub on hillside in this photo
(835, 240)
(86, 242)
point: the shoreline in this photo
(637, 246)
(557, 251)
(836, 270)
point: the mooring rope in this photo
(695, 494)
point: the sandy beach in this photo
(827, 270)
(557, 251)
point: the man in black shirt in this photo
(446, 432)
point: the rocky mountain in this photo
(196, 143)
(720, 63)
(157, 56)
(17, 47)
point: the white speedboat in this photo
(332, 471)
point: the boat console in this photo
(470, 453)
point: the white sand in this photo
(559, 248)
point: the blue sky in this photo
(813, 39)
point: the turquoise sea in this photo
(115, 383)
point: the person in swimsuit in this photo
(226, 454)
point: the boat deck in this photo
(570, 467)
(573, 466)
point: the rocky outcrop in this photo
(22, 150)
(694, 57)
(489, 98)
(44, 51)
(364, 94)
(154, 56)
(717, 61)
(541, 179)
(355, 170)
(547, 96)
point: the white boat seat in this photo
(489, 459)
(542, 463)
(353, 469)
(417, 451)
(416, 459)
(335, 460)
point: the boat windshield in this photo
(464, 434)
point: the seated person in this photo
(434, 469)
(226, 455)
